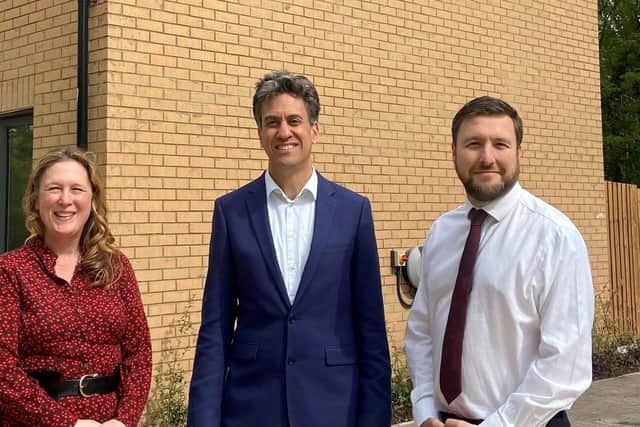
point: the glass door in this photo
(16, 156)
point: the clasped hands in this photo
(91, 423)
(434, 422)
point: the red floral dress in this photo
(49, 324)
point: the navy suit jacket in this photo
(322, 361)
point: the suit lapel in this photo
(257, 206)
(325, 209)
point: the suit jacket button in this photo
(292, 319)
(291, 361)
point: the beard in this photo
(488, 193)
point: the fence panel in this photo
(623, 206)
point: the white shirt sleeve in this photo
(418, 349)
(562, 370)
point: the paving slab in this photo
(612, 402)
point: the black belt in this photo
(559, 419)
(88, 385)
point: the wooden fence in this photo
(623, 213)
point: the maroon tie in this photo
(450, 365)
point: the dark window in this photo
(16, 156)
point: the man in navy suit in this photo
(293, 330)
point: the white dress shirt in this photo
(527, 342)
(291, 223)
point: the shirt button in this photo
(77, 292)
(85, 365)
(291, 361)
(79, 310)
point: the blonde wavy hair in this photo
(97, 247)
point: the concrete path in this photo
(614, 402)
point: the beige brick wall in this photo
(180, 133)
(170, 95)
(38, 67)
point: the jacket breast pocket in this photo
(340, 356)
(244, 351)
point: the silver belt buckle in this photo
(81, 384)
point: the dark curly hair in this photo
(278, 82)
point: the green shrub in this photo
(401, 387)
(615, 350)
(167, 406)
(634, 350)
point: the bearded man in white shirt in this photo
(525, 340)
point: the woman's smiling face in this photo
(64, 201)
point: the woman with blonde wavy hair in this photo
(75, 348)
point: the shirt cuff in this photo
(424, 409)
(493, 420)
